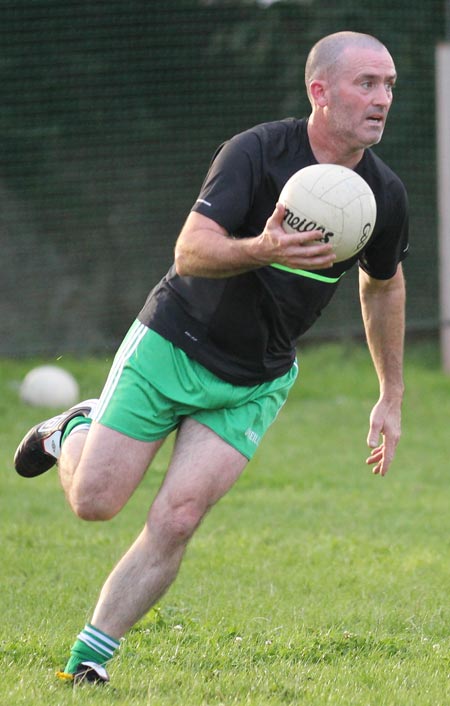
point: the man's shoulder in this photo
(373, 168)
(276, 143)
(276, 130)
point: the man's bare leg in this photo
(99, 470)
(202, 469)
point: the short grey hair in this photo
(325, 54)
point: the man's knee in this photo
(94, 500)
(92, 508)
(176, 521)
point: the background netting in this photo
(110, 112)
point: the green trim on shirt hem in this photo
(306, 273)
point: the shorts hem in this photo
(137, 437)
(246, 454)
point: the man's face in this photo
(360, 95)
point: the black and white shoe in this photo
(41, 446)
(86, 672)
(90, 672)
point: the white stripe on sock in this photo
(85, 426)
(101, 636)
(97, 646)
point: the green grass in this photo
(313, 582)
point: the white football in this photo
(49, 386)
(334, 200)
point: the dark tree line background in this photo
(110, 112)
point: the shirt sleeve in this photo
(391, 244)
(227, 193)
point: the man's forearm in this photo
(383, 311)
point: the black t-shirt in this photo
(245, 328)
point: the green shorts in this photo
(153, 385)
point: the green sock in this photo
(75, 422)
(91, 645)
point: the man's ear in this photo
(318, 92)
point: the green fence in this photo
(110, 112)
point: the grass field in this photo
(313, 582)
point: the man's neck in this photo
(328, 151)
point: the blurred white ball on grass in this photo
(49, 386)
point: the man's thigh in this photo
(202, 469)
(113, 464)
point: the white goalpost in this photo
(443, 181)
